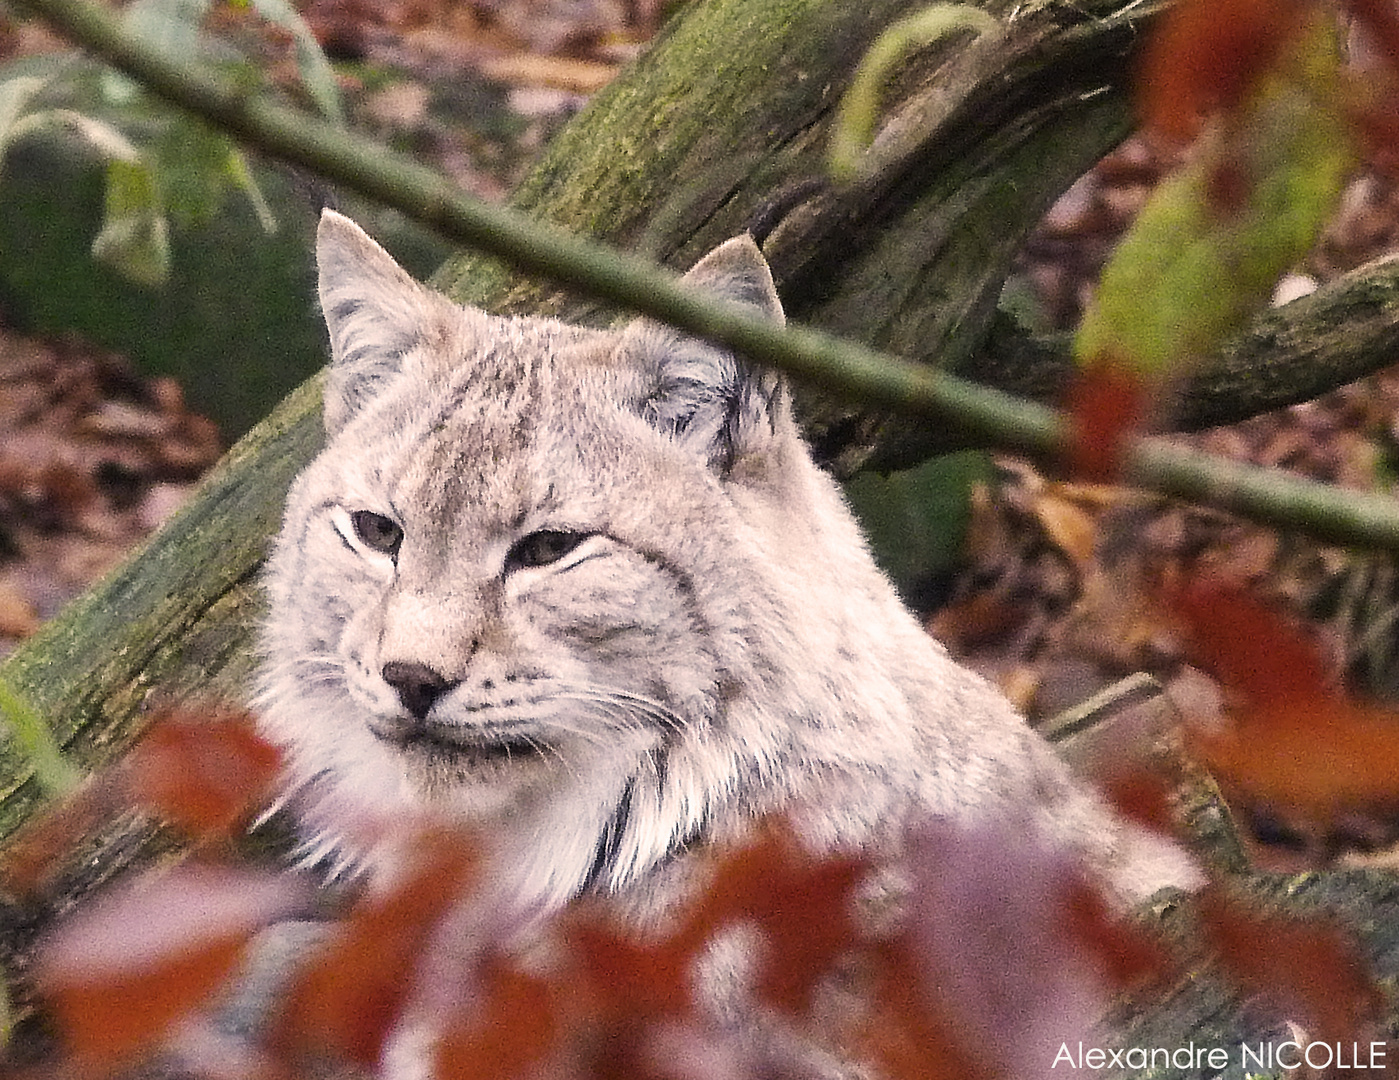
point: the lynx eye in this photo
(377, 532)
(542, 548)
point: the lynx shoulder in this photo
(588, 590)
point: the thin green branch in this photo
(841, 367)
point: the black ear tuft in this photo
(701, 395)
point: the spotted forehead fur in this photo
(477, 441)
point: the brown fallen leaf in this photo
(1309, 967)
(126, 968)
(18, 617)
(560, 73)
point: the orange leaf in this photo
(1126, 954)
(127, 967)
(1297, 748)
(1324, 759)
(1311, 965)
(640, 980)
(1257, 653)
(1206, 55)
(909, 1035)
(205, 772)
(977, 620)
(799, 902)
(1107, 403)
(1143, 796)
(517, 1030)
(345, 1002)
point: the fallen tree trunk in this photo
(702, 141)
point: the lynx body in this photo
(587, 590)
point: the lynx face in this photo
(587, 590)
(500, 588)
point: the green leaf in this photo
(190, 159)
(53, 772)
(236, 168)
(917, 519)
(105, 138)
(196, 166)
(15, 95)
(134, 239)
(853, 130)
(311, 62)
(1213, 240)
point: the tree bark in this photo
(979, 141)
(703, 140)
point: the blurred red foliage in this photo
(1206, 56)
(1106, 405)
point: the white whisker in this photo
(621, 707)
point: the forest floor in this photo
(94, 457)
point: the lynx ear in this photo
(701, 395)
(374, 311)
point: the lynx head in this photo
(543, 576)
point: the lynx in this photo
(588, 591)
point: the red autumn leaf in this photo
(1142, 796)
(1206, 55)
(345, 1002)
(204, 772)
(1126, 954)
(1311, 965)
(1297, 745)
(1261, 657)
(642, 980)
(1106, 405)
(623, 1049)
(905, 1033)
(800, 903)
(127, 967)
(516, 1030)
(1323, 759)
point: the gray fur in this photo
(720, 645)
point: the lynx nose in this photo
(418, 686)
